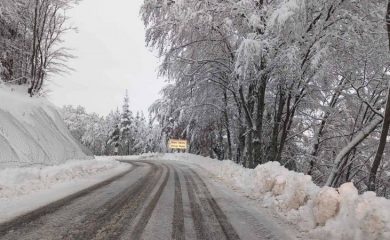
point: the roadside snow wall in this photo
(32, 132)
(324, 213)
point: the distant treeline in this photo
(122, 130)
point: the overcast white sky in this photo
(111, 57)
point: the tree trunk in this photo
(241, 146)
(386, 124)
(248, 106)
(227, 125)
(249, 150)
(288, 123)
(34, 49)
(257, 146)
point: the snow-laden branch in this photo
(351, 145)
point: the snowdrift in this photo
(324, 213)
(32, 132)
(17, 182)
(25, 189)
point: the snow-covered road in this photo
(153, 200)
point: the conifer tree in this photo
(125, 126)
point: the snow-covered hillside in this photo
(32, 132)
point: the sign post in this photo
(177, 144)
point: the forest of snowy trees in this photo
(131, 134)
(31, 48)
(300, 82)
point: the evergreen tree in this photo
(113, 121)
(115, 138)
(125, 126)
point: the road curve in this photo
(153, 200)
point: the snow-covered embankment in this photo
(32, 132)
(36, 152)
(324, 213)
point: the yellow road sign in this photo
(177, 144)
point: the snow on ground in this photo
(26, 189)
(323, 213)
(32, 131)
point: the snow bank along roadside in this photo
(325, 213)
(26, 189)
(32, 131)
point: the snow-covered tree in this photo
(126, 127)
(31, 33)
(113, 121)
(299, 82)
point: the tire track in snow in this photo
(178, 230)
(214, 229)
(197, 216)
(112, 220)
(147, 213)
(132, 208)
(228, 230)
(16, 223)
(210, 210)
(249, 224)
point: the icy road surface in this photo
(153, 200)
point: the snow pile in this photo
(25, 189)
(32, 132)
(16, 182)
(325, 213)
(326, 205)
